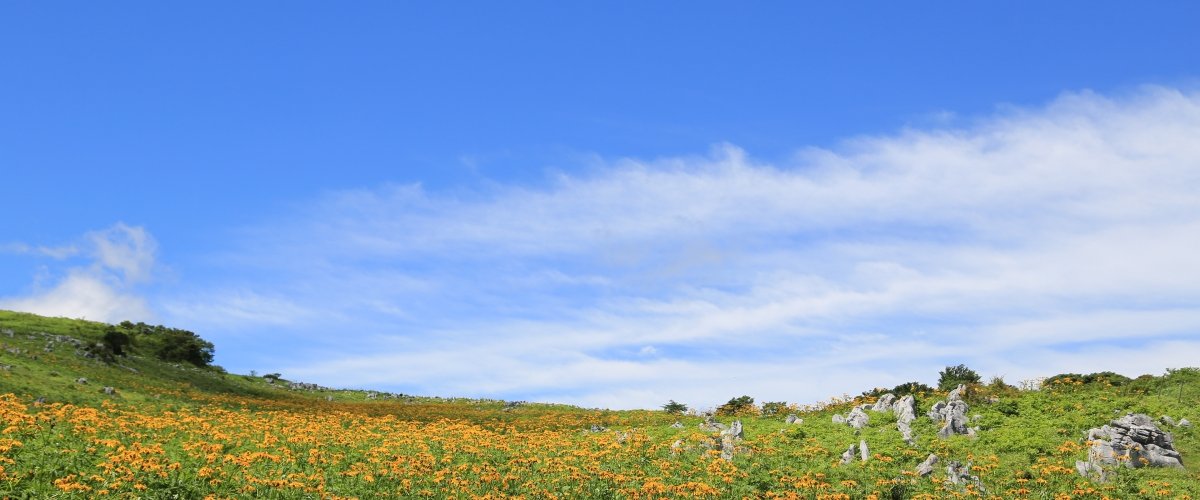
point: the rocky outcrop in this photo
(884, 403)
(857, 418)
(848, 455)
(730, 440)
(864, 453)
(793, 419)
(952, 413)
(1132, 441)
(924, 469)
(906, 412)
(960, 474)
(711, 425)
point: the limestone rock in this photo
(858, 418)
(676, 425)
(926, 468)
(793, 419)
(1183, 422)
(848, 455)
(884, 403)
(1132, 441)
(864, 453)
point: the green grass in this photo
(1027, 446)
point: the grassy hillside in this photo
(173, 430)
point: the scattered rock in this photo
(884, 403)
(730, 438)
(8, 332)
(925, 468)
(906, 412)
(40, 400)
(597, 428)
(711, 425)
(848, 455)
(328, 398)
(864, 453)
(1183, 422)
(81, 380)
(1167, 420)
(960, 474)
(108, 391)
(676, 425)
(372, 395)
(793, 419)
(1132, 441)
(839, 419)
(858, 418)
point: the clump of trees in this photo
(168, 344)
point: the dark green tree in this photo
(736, 406)
(116, 341)
(952, 376)
(675, 408)
(182, 345)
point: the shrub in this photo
(952, 376)
(675, 408)
(914, 388)
(775, 408)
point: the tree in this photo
(774, 408)
(182, 345)
(952, 376)
(675, 408)
(737, 406)
(116, 341)
(914, 388)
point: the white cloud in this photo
(120, 257)
(1066, 232)
(82, 295)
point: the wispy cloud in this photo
(1058, 238)
(100, 289)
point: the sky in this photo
(612, 204)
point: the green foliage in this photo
(952, 376)
(914, 388)
(737, 406)
(675, 408)
(772, 408)
(1107, 379)
(116, 340)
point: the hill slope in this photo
(169, 429)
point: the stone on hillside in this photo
(793, 419)
(597, 428)
(957, 393)
(858, 418)
(372, 395)
(848, 456)
(906, 412)
(108, 390)
(952, 413)
(711, 425)
(676, 425)
(328, 398)
(958, 473)
(839, 418)
(40, 400)
(1183, 422)
(81, 380)
(884, 403)
(730, 438)
(925, 468)
(1167, 420)
(8, 332)
(863, 453)
(1132, 441)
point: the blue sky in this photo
(612, 205)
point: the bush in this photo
(775, 408)
(737, 406)
(952, 376)
(914, 388)
(116, 341)
(1075, 379)
(675, 408)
